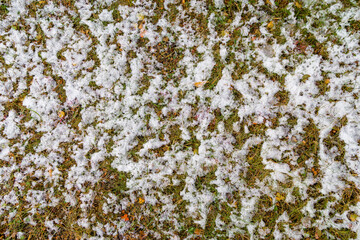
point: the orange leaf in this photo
(200, 84)
(141, 200)
(125, 217)
(198, 231)
(314, 171)
(142, 33)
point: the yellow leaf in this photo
(353, 217)
(279, 197)
(268, 2)
(327, 81)
(141, 200)
(200, 84)
(270, 24)
(140, 16)
(61, 114)
(298, 5)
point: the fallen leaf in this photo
(327, 81)
(142, 33)
(298, 5)
(314, 171)
(279, 197)
(353, 217)
(50, 172)
(140, 16)
(125, 217)
(198, 231)
(61, 114)
(141, 200)
(268, 2)
(200, 84)
(270, 24)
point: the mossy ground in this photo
(242, 169)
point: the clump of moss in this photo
(256, 169)
(309, 147)
(282, 97)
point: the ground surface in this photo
(179, 119)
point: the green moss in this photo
(346, 88)
(145, 82)
(354, 26)
(292, 121)
(301, 13)
(203, 182)
(309, 147)
(282, 97)
(256, 169)
(92, 55)
(240, 136)
(194, 143)
(240, 69)
(333, 140)
(168, 54)
(216, 72)
(210, 225)
(93, 85)
(175, 134)
(172, 12)
(59, 89)
(349, 198)
(60, 55)
(3, 10)
(347, 3)
(257, 129)
(33, 142)
(116, 15)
